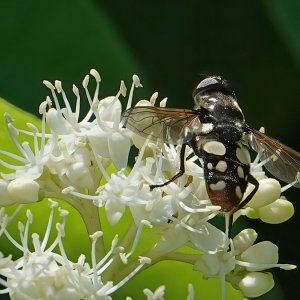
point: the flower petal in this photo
(119, 146)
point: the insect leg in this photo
(229, 223)
(177, 175)
(253, 181)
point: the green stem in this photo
(90, 215)
(129, 236)
(155, 258)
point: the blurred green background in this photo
(255, 44)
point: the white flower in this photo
(73, 163)
(268, 203)
(28, 169)
(70, 155)
(255, 284)
(268, 191)
(43, 274)
(4, 197)
(157, 295)
(277, 212)
(242, 266)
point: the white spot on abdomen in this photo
(243, 155)
(209, 166)
(220, 185)
(238, 192)
(240, 172)
(221, 166)
(214, 147)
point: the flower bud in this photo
(277, 212)
(244, 239)
(269, 190)
(255, 284)
(262, 253)
(5, 199)
(57, 122)
(23, 190)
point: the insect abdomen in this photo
(226, 170)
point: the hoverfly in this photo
(216, 131)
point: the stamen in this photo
(29, 154)
(208, 208)
(9, 166)
(203, 229)
(13, 241)
(289, 185)
(36, 244)
(96, 75)
(135, 83)
(35, 140)
(59, 87)
(136, 239)
(126, 279)
(24, 240)
(50, 86)
(264, 266)
(14, 156)
(163, 102)
(109, 253)
(85, 83)
(77, 109)
(49, 225)
(153, 98)
(139, 160)
(94, 238)
(13, 133)
(123, 88)
(191, 292)
(16, 211)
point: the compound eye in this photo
(205, 83)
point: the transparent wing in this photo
(168, 125)
(282, 161)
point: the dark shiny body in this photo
(216, 131)
(220, 113)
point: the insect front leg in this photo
(177, 175)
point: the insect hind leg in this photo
(177, 175)
(229, 222)
(253, 181)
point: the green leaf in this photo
(58, 40)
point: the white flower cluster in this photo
(69, 162)
(44, 274)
